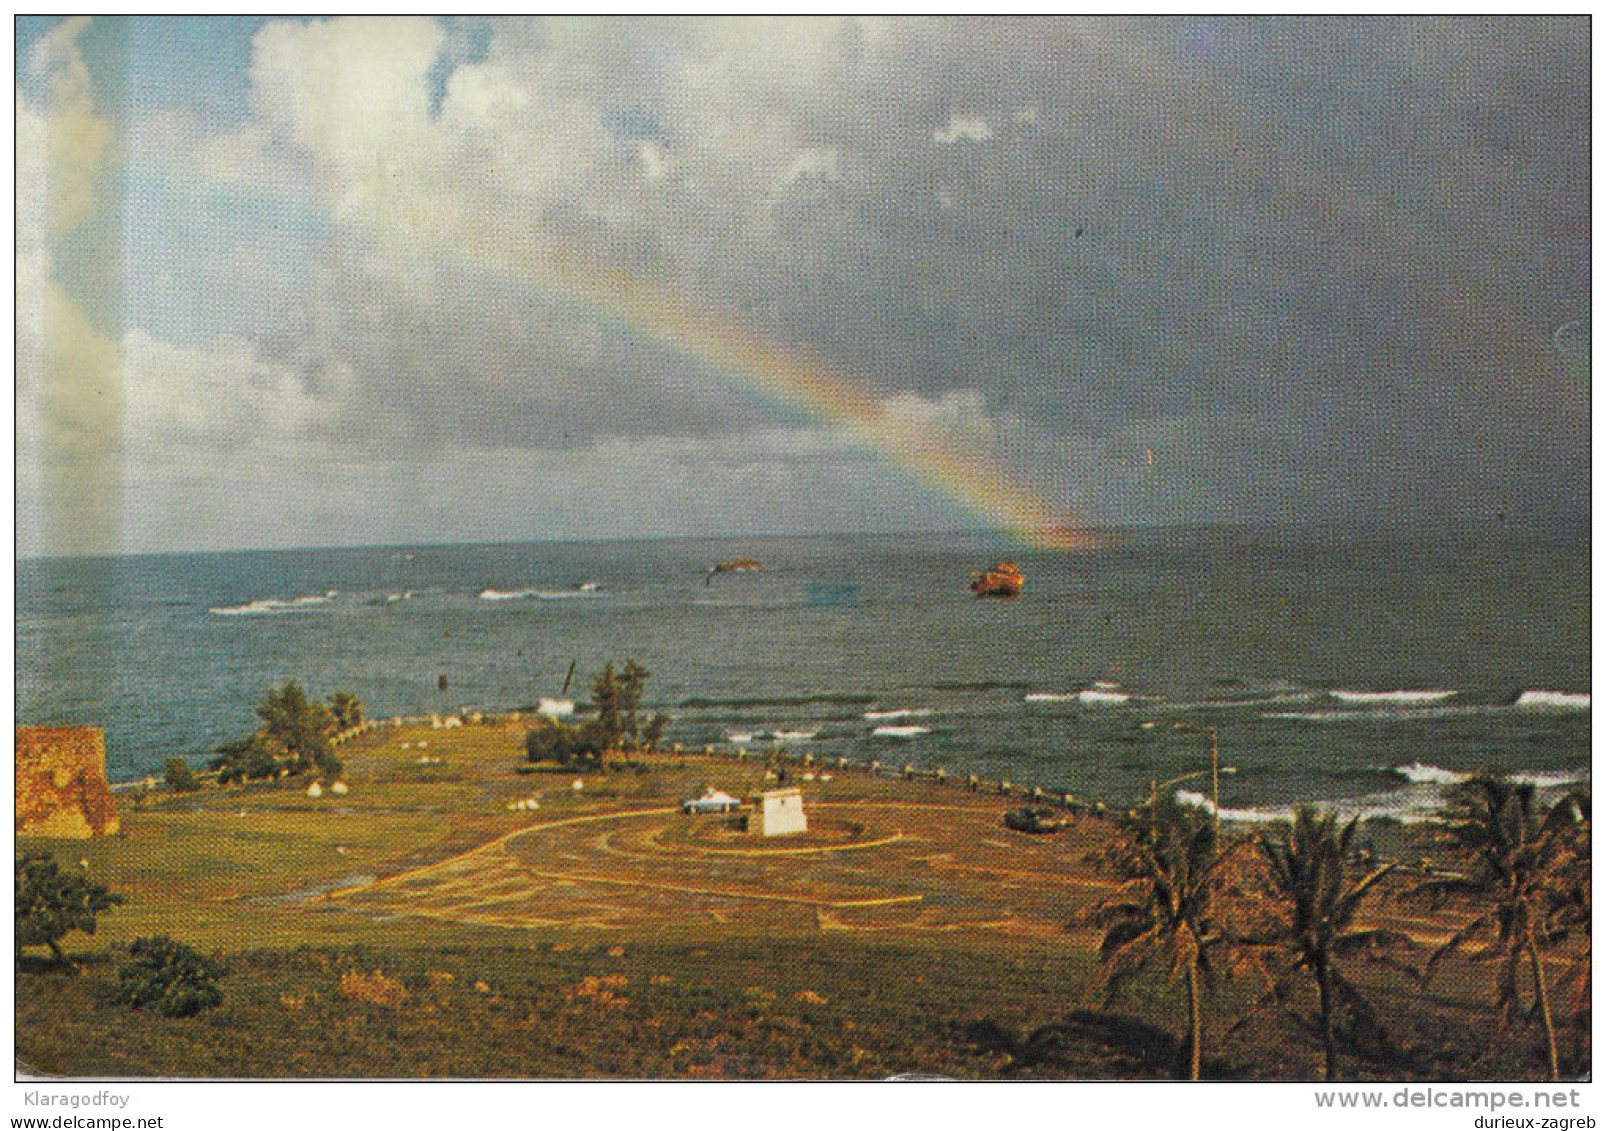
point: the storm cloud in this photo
(1176, 270)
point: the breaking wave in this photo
(900, 731)
(1391, 698)
(274, 605)
(1421, 799)
(1101, 694)
(537, 594)
(1553, 701)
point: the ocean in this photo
(1366, 672)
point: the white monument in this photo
(780, 812)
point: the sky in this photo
(312, 282)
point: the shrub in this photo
(180, 778)
(170, 976)
(246, 760)
(563, 744)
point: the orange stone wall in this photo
(61, 783)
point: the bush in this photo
(180, 778)
(291, 740)
(170, 976)
(564, 744)
(49, 902)
(246, 760)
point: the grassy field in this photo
(421, 926)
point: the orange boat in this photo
(1003, 580)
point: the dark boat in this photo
(1003, 580)
(1035, 819)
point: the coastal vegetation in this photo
(1528, 875)
(179, 778)
(1314, 901)
(293, 738)
(1167, 913)
(52, 903)
(426, 927)
(168, 977)
(614, 729)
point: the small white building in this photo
(779, 813)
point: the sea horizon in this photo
(1439, 529)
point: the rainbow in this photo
(795, 377)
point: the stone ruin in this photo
(61, 783)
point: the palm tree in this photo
(1165, 913)
(349, 711)
(1314, 904)
(1526, 861)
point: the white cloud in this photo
(960, 414)
(353, 91)
(75, 137)
(188, 405)
(963, 127)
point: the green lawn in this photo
(230, 872)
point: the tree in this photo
(1524, 862)
(654, 731)
(1166, 912)
(292, 738)
(170, 976)
(631, 682)
(298, 727)
(50, 903)
(348, 710)
(606, 698)
(179, 777)
(1315, 901)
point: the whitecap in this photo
(1396, 698)
(1553, 780)
(1436, 775)
(900, 732)
(1553, 701)
(900, 713)
(793, 735)
(273, 605)
(505, 595)
(1098, 696)
(1410, 806)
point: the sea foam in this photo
(1553, 701)
(275, 605)
(1099, 695)
(1396, 698)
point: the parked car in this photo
(712, 801)
(1035, 819)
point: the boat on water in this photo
(734, 565)
(1003, 580)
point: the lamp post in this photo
(1216, 770)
